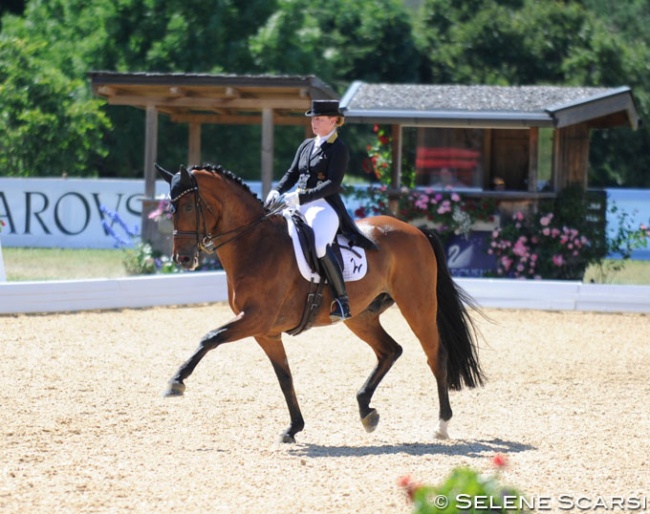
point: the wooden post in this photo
(150, 154)
(267, 151)
(396, 171)
(194, 144)
(533, 157)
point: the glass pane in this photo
(449, 158)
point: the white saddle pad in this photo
(355, 263)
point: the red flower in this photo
(500, 460)
(375, 128)
(408, 485)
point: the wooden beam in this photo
(215, 119)
(253, 104)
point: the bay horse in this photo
(214, 210)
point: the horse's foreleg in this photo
(274, 349)
(367, 327)
(231, 331)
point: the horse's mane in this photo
(223, 172)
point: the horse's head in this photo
(190, 230)
(201, 219)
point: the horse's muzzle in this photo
(187, 261)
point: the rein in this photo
(207, 242)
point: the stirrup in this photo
(340, 310)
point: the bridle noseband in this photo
(206, 241)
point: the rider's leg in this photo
(340, 309)
(323, 219)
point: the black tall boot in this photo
(340, 309)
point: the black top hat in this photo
(324, 108)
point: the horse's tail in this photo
(458, 335)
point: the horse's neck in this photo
(245, 251)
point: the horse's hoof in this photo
(287, 438)
(370, 421)
(442, 436)
(441, 432)
(174, 389)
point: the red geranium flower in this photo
(500, 460)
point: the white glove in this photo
(271, 198)
(292, 200)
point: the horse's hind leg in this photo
(367, 327)
(274, 349)
(421, 317)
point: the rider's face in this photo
(323, 125)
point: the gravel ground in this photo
(84, 427)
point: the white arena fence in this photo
(208, 287)
(65, 213)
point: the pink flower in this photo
(422, 202)
(558, 260)
(546, 231)
(545, 220)
(455, 197)
(519, 216)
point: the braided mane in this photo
(223, 172)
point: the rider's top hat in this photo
(324, 108)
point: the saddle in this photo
(305, 250)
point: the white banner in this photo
(67, 213)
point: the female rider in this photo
(317, 170)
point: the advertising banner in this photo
(68, 213)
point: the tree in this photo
(76, 36)
(48, 125)
(341, 41)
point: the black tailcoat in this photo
(319, 175)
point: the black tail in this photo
(458, 335)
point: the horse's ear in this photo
(185, 177)
(164, 174)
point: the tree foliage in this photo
(48, 49)
(48, 125)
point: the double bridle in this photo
(206, 241)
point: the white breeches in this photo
(322, 218)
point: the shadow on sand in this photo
(476, 448)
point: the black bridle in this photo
(204, 240)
